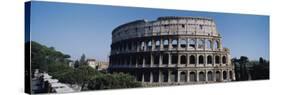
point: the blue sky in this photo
(85, 28)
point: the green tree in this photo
(113, 81)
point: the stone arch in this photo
(174, 43)
(155, 76)
(147, 60)
(164, 76)
(140, 60)
(231, 75)
(174, 59)
(224, 59)
(201, 76)
(142, 45)
(166, 43)
(149, 44)
(173, 76)
(146, 76)
(156, 59)
(183, 77)
(157, 44)
(165, 59)
(216, 44)
(192, 76)
(210, 75)
(201, 59)
(208, 44)
(191, 43)
(224, 75)
(218, 75)
(209, 59)
(183, 43)
(200, 44)
(217, 59)
(183, 59)
(192, 59)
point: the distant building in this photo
(99, 65)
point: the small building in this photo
(99, 65)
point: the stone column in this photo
(197, 75)
(187, 43)
(160, 76)
(220, 60)
(187, 59)
(151, 60)
(179, 59)
(214, 60)
(161, 44)
(187, 72)
(170, 44)
(142, 77)
(143, 61)
(178, 44)
(205, 59)
(228, 75)
(160, 60)
(169, 74)
(206, 75)
(196, 60)
(151, 77)
(169, 61)
(221, 75)
(152, 45)
(214, 75)
(178, 76)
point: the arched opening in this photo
(134, 60)
(224, 75)
(183, 59)
(174, 58)
(217, 76)
(231, 75)
(165, 59)
(182, 77)
(191, 59)
(166, 43)
(156, 59)
(192, 43)
(164, 76)
(216, 44)
(142, 45)
(192, 77)
(149, 44)
(217, 59)
(200, 44)
(139, 76)
(147, 60)
(173, 76)
(201, 59)
(146, 76)
(157, 44)
(183, 43)
(223, 59)
(155, 76)
(209, 59)
(129, 46)
(201, 76)
(140, 60)
(209, 43)
(210, 76)
(175, 43)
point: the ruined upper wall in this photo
(169, 25)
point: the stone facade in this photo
(171, 50)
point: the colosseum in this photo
(171, 50)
